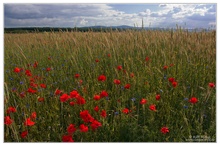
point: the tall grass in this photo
(193, 55)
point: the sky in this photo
(80, 15)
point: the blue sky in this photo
(80, 15)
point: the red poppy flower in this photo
(125, 110)
(86, 117)
(64, 97)
(32, 84)
(83, 128)
(119, 67)
(58, 92)
(71, 129)
(28, 122)
(109, 55)
(96, 60)
(127, 86)
(193, 100)
(171, 80)
(24, 134)
(28, 73)
(22, 94)
(74, 94)
(103, 94)
(35, 64)
(211, 85)
(116, 81)
(77, 76)
(96, 109)
(103, 114)
(48, 69)
(17, 70)
(164, 130)
(67, 138)
(147, 58)
(72, 103)
(132, 75)
(80, 100)
(30, 90)
(95, 124)
(152, 107)
(11, 109)
(8, 120)
(34, 115)
(174, 84)
(158, 97)
(43, 85)
(80, 81)
(102, 78)
(40, 99)
(96, 97)
(143, 101)
(165, 67)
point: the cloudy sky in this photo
(70, 15)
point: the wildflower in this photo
(96, 60)
(95, 124)
(67, 138)
(211, 85)
(158, 97)
(109, 55)
(103, 94)
(164, 130)
(34, 115)
(152, 107)
(80, 100)
(83, 128)
(58, 92)
(48, 69)
(147, 58)
(119, 67)
(193, 100)
(143, 101)
(24, 134)
(32, 84)
(74, 94)
(96, 109)
(171, 80)
(72, 103)
(102, 78)
(171, 65)
(133, 99)
(11, 109)
(28, 122)
(17, 70)
(116, 81)
(28, 73)
(103, 114)
(30, 90)
(77, 76)
(125, 110)
(43, 85)
(165, 67)
(71, 129)
(174, 84)
(8, 120)
(40, 99)
(86, 117)
(64, 97)
(96, 97)
(127, 86)
(22, 94)
(35, 64)
(132, 75)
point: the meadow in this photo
(128, 86)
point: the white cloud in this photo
(70, 15)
